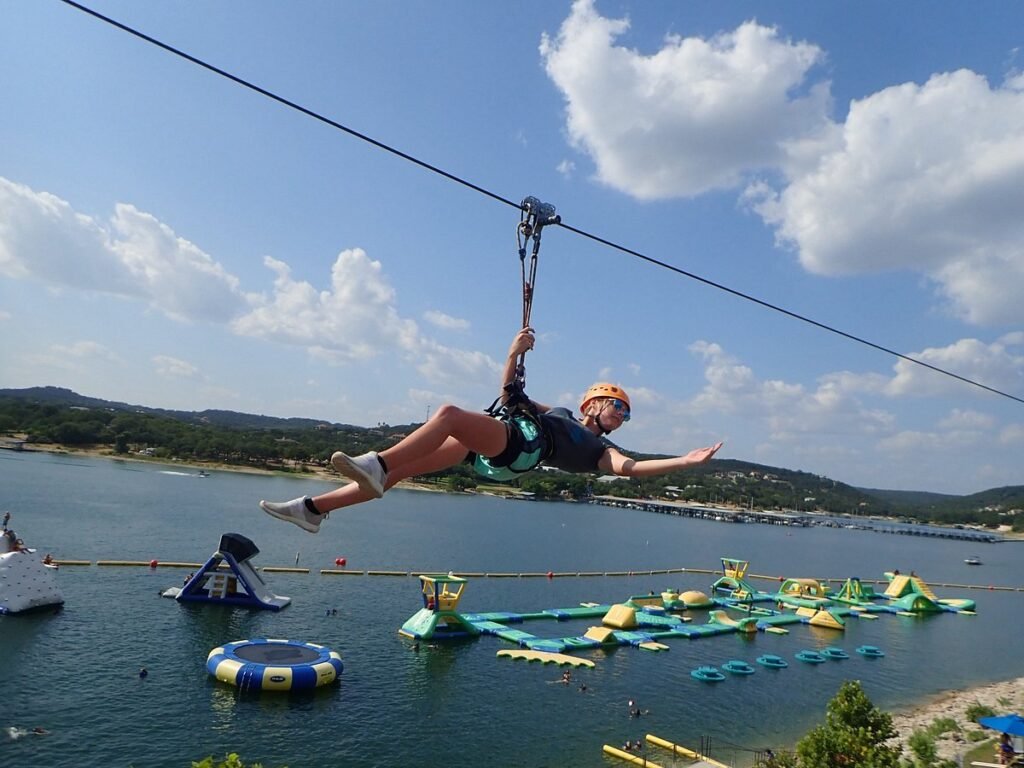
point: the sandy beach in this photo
(1004, 698)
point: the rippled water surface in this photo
(75, 671)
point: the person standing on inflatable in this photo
(527, 434)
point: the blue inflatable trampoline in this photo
(274, 665)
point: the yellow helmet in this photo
(603, 389)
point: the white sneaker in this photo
(294, 511)
(365, 470)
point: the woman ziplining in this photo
(500, 448)
(514, 436)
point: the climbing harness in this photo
(513, 406)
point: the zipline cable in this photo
(486, 192)
(286, 102)
(784, 311)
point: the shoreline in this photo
(1002, 697)
(312, 471)
(329, 475)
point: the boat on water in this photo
(973, 560)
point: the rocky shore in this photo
(1003, 698)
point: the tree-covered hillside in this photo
(49, 415)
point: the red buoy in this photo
(551, 574)
(153, 563)
(339, 561)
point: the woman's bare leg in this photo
(450, 453)
(475, 431)
(442, 442)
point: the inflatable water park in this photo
(647, 621)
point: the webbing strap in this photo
(534, 216)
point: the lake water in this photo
(75, 671)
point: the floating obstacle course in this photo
(645, 621)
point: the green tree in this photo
(854, 734)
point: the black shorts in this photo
(515, 442)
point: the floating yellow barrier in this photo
(628, 756)
(546, 657)
(678, 750)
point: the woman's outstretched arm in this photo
(615, 462)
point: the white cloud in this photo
(445, 365)
(566, 168)
(994, 365)
(356, 319)
(694, 116)
(789, 411)
(957, 432)
(911, 443)
(134, 256)
(138, 257)
(174, 368)
(964, 420)
(77, 356)
(447, 322)
(1012, 434)
(924, 178)
(177, 277)
(85, 350)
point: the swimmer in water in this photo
(14, 732)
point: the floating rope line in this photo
(494, 196)
(494, 574)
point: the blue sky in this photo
(172, 239)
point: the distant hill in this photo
(229, 419)
(247, 437)
(912, 498)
